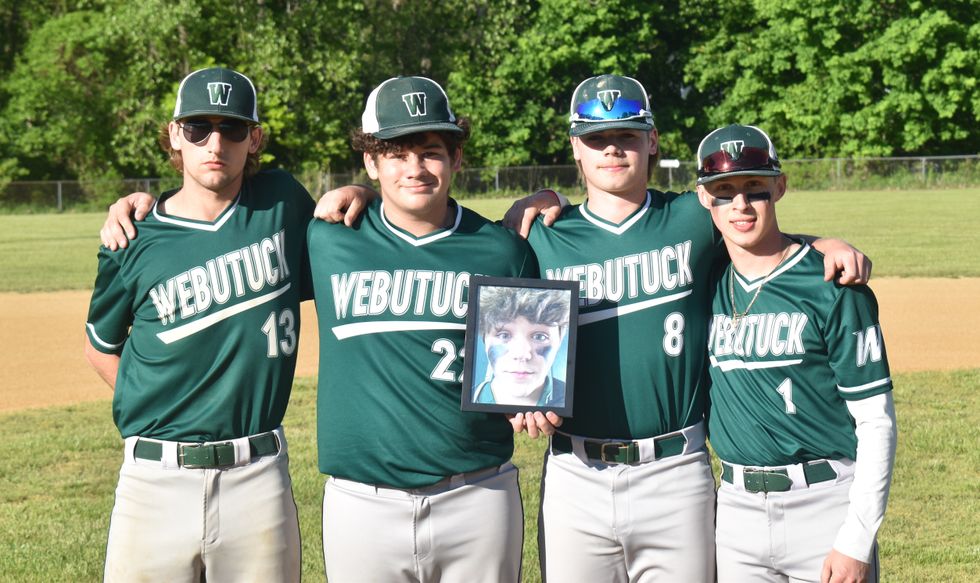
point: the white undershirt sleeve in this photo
(876, 438)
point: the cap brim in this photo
(719, 176)
(588, 127)
(396, 132)
(213, 113)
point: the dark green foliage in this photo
(85, 85)
(865, 78)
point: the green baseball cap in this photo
(736, 150)
(407, 105)
(217, 91)
(609, 102)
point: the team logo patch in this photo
(219, 93)
(869, 345)
(414, 103)
(733, 148)
(608, 97)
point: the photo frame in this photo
(520, 345)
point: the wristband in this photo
(562, 201)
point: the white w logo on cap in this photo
(608, 97)
(733, 148)
(219, 93)
(415, 103)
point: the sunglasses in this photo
(749, 159)
(722, 200)
(595, 110)
(197, 131)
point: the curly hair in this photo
(177, 160)
(499, 304)
(362, 142)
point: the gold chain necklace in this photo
(736, 315)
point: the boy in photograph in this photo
(801, 413)
(523, 330)
(418, 490)
(195, 326)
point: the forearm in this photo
(106, 365)
(876, 437)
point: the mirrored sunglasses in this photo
(750, 158)
(595, 110)
(721, 200)
(197, 131)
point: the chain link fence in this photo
(907, 173)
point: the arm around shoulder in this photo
(119, 225)
(344, 204)
(521, 215)
(842, 262)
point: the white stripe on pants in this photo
(468, 531)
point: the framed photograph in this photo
(520, 345)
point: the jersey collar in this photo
(425, 239)
(611, 227)
(211, 226)
(793, 259)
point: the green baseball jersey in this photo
(782, 376)
(643, 313)
(392, 315)
(205, 315)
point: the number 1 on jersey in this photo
(786, 390)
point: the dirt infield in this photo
(929, 324)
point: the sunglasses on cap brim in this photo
(595, 110)
(749, 158)
(197, 131)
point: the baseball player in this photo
(418, 490)
(195, 327)
(801, 414)
(628, 493)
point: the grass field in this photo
(907, 233)
(59, 471)
(60, 464)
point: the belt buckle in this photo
(210, 454)
(611, 452)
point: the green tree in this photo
(91, 87)
(866, 78)
(18, 20)
(527, 60)
(318, 61)
(87, 93)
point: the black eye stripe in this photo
(720, 200)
